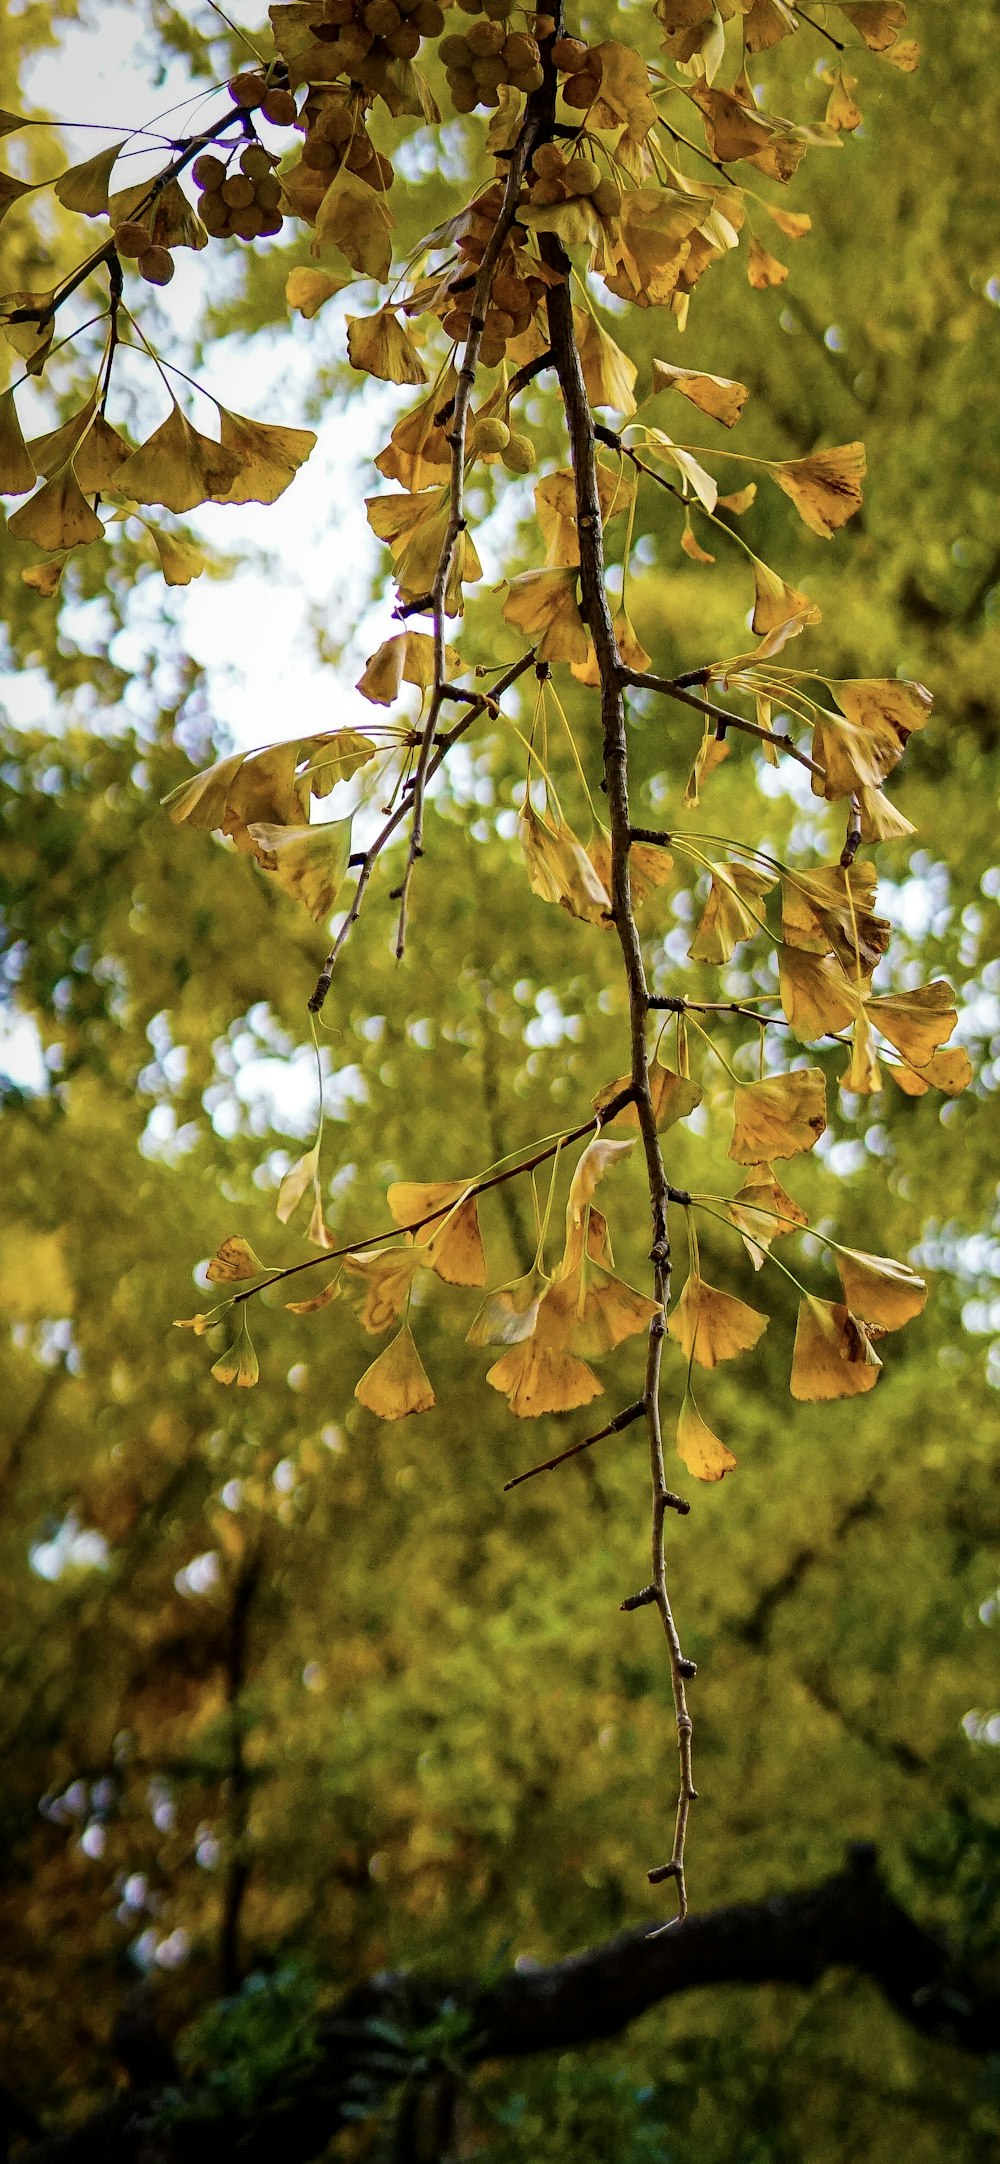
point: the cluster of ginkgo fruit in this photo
(516, 291)
(489, 57)
(364, 37)
(243, 203)
(336, 135)
(558, 176)
(153, 262)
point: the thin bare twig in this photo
(673, 688)
(614, 676)
(614, 1427)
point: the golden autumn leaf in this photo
(833, 1356)
(763, 1212)
(356, 219)
(740, 500)
(49, 453)
(318, 1300)
(414, 529)
(406, 659)
(381, 347)
(165, 211)
(862, 1075)
(763, 268)
(58, 516)
(267, 457)
(239, 1364)
(180, 560)
(544, 606)
(11, 192)
(950, 1071)
(101, 454)
(383, 1282)
(234, 1261)
(699, 1450)
(878, 22)
(711, 1325)
(825, 488)
(309, 862)
(830, 911)
(538, 1375)
(508, 1314)
(878, 1289)
(177, 466)
(674, 1096)
(817, 997)
(200, 1324)
(306, 290)
(418, 450)
(732, 912)
(881, 821)
(649, 866)
(719, 396)
(17, 468)
(604, 1311)
(651, 245)
(559, 868)
(712, 753)
(733, 129)
(794, 224)
(45, 579)
(453, 1242)
(608, 373)
(916, 1022)
(779, 1117)
(778, 607)
(842, 110)
(624, 92)
(396, 1384)
(84, 187)
(295, 1182)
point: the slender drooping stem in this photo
(597, 614)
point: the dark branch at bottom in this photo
(850, 1921)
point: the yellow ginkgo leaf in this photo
(177, 466)
(381, 347)
(863, 1074)
(842, 110)
(234, 1261)
(45, 579)
(711, 1325)
(817, 997)
(310, 862)
(295, 1182)
(763, 268)
(418, 449)
(608, 373)
(17, 467)
(239, 1364)
(453, 1240)
(779, 1117)
(559, 868)
(165, 210)
(396, 1383)
(384, 1281)
(710, 755)
(180, 560)
(102, 452)
(732, 912)
(878, 1289)
(877, 21)
(267, 457)
(537, 1378)
(11, 192)
(833, 1355)
(624, 93)
(778, 607)
(718, 396)
(831, 911)
(950, 1071)
(57, 516)
(674, 1097)
(50, 452)
(740, 500)
(200, 1324)
(763, 1212)
(795, 224)
(652, 244)
(508, 1314)
(84, 188)
(916, 1022)
(649, 866)
(356, 219)
(692, 546)
(414, 527)
(701, 1451)
(312, 1306)
(306, 289)
(825, 488)
(605, 1311)
(318, 1234)
(881, 821)
(544, 606)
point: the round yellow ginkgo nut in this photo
(489, 436)
(279, 108)
(248, 91)
(131, 238)
(207, 172)
(156, 266)
(570, 55)
(520, 455)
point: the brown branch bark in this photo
(849, 1921)
(597, 614)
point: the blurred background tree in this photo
(290, 1697)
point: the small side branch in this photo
(673, 687)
